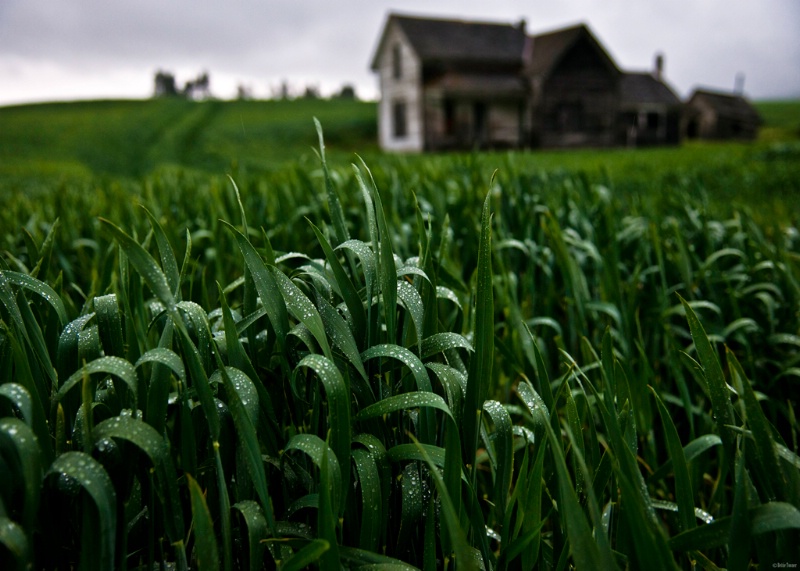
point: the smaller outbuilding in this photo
(719, 115)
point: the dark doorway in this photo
(479, 123)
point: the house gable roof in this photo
(548, 49)
(454, 41)
(643, 88)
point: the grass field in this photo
(520, 360)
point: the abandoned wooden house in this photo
(717, 115)
(452, 84)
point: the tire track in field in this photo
(177, 143)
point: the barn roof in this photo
(727, 104)
(642, 88)
(457, 41)
(547, 49)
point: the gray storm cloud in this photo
(51, 49)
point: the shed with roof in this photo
(720, 115)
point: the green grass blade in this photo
(15, 542)
(683, 485)
(117, 366)
(165, 357)
(304, 557)
(406, 357)
(168, 261)
(93, 478)
(224, 518)
(739, 538)
(138, 433)
(455, 386)
(243, 413)
(303, 310)
(318, 451)
(480, 364)
(326, 515)
(411, 299)
(199, 379)
(458, 539)
(418, 371)
(18, 397)
(360, 559)
(369, 266)
(412, 452)
(109, 324)
(206, 550)
(717, 388)
(403, 402)
(762, 431)
(338, 399)
(334, 204)
(341, 335)
(382, 243)
(18, 440)
(238, 358)
(691, 451)
(194, 317)
(769, 517)
(441, 342)
(371, 500)
(585, 552)
(266, 287)
(504, 459)
(40, 288)
(163, 361)
(256, 525)
(348, 291)
(144, 264)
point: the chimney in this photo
(738, 85)
(658, 70)
(522, 25)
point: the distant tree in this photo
(198, 88)
(243, 92)
(311, 92)
(347, 92)
(165, 85)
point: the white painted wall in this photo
(407, 88)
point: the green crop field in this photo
(226, 346)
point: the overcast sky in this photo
(87, 49)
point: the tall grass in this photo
(510, 372)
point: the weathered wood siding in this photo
(578, 103)
(405, 89)
(471, 122)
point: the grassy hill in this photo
(133, 138)
(89, 145)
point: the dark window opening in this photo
(397, 62)
(400, 126)
(479, 122)
(652, 120)
(449, 117)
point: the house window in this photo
(399, 123)
(652, 121)
(397, 62)
(449, 117)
